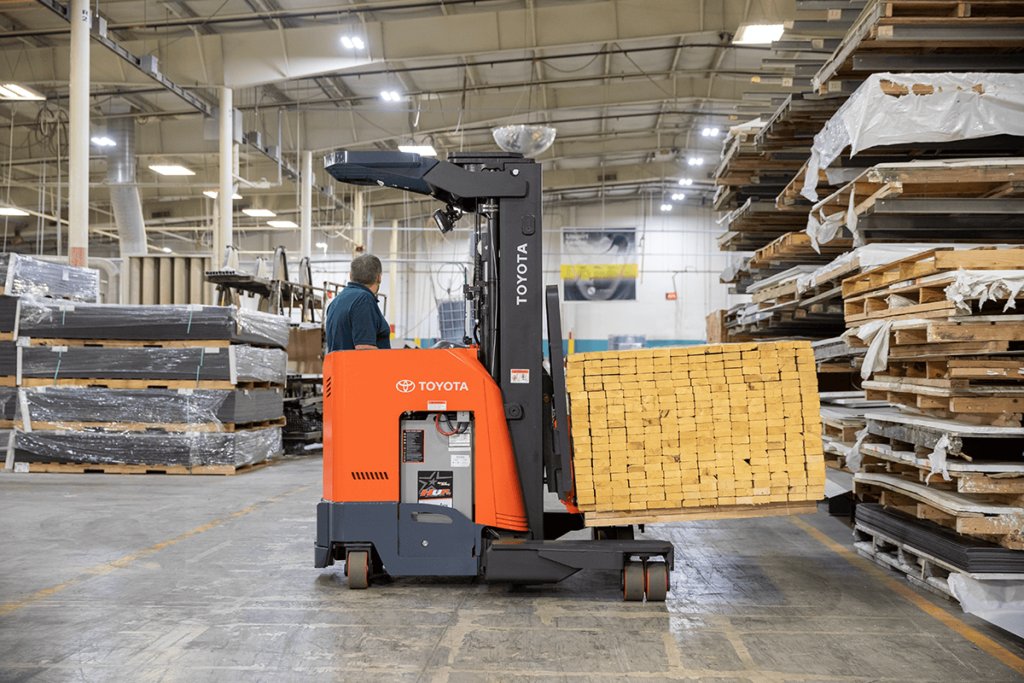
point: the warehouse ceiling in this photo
(629, 84)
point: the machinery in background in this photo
(436, 460)
(276, 293)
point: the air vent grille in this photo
(367, 476)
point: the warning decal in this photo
(519, 376)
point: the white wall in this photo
(680, 243)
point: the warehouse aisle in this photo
(211, 579)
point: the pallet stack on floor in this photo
(134, 389)
(695, 432)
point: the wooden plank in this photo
(120, 468)
(945, 501)
(699, 514)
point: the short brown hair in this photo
(366, 269)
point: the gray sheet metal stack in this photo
(180, 389)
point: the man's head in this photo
(366, 270)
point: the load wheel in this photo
(656, 581)
(357, 568)
(633, 582)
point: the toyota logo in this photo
(405, 385)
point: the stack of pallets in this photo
(134, 389)
(695, 432)
(950, 349)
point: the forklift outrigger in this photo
(436, 460)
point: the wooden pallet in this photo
(117, 427)
(998, 481)
(932, 262)
(127, 343)
(795, 248)
(920, 568)
(999, 409)
(695, 514)
(134, 383)
(1003, 524)
(959, 373)
(111, 468)
(973, 178)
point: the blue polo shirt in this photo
(354, 318)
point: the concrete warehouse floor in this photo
(165, 578)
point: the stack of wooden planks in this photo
(681, 433)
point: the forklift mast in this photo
(503, 191)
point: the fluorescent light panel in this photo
(259, 213)
(422, 150)
(282, 224)
(758, 34)
(212, 194)
(171, 169)
(11, 211)
(390, 95)
(13, 91)
(103, 141)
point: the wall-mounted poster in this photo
(599, 264)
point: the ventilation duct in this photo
(124, 192)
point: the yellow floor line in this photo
(121, 562)
(904, 590)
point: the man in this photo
(353, 319)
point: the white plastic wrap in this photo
(188, 449)
(65, 408)
(997, 602)
(70, 320)
(984, 286)
(959, 107)
(24, 275)
(235, 364)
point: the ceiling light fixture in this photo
(666, 208)
(390, 95)
(282, 224)
(352, 43)
(678, 197)
(321, 245)
(422, 150)
(695, 161)
(259, 213)
(685, 182)
(103, 141)
(758, 34)
(212, 194)
(710, 132)
(19, 93)
(167, 250)
(171, 169)
(11, 211)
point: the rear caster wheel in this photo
(357, 568)
(656, 581)
(633, 582)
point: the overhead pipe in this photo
(124, 192)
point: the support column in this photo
(306, 219)
(358, 222)
(78, 136)
(223, 235)
(393, 275)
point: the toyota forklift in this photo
(436, 460)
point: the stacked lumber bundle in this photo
(943, 339)
(179, 389)
(662, 434)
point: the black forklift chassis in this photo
(374, 541)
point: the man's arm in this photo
(364, 329)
